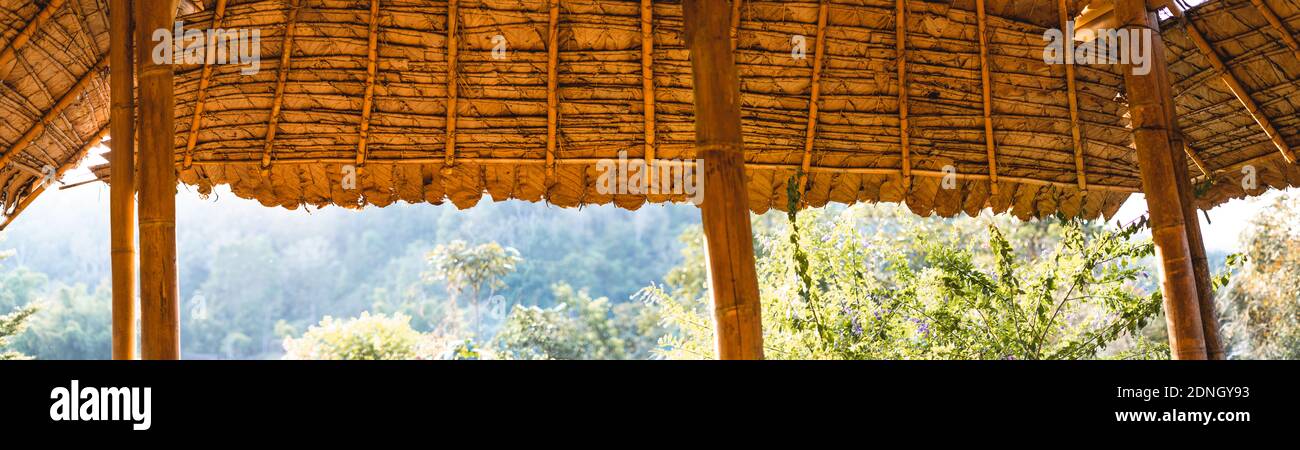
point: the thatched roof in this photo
(501, 136)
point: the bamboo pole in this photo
(281, 78)
(159, 297)
(733, 281)
(122, 167)
(10, 52)
(205, 80)
(552, 87)
(1153, 134)
(453, 93)
(648, 77)
(814, 100)
(1187, 197)
(1072, 84)
(372, 69)
(987, 84)
(904, 127)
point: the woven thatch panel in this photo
(501, 113)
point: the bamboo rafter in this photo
(1234, 85)
(372, 69)
(648, 75)
(987, 83)
(11, 51)
(67, 100)
(552, 86)
(819, 54)
(1076, 131)
(453, 94)
(1278, 25)
(1200, 163)
(904, 128)
(196, 122)
(282, 76)
(63, 168)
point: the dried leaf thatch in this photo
(502, 135)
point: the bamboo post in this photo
(733, 280)
(122, 188)
(1187, 199)
(159, 296)
(1153, 134)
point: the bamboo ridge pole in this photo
(1153, 135)
(122, 189)
(159, 296)
(733, 281)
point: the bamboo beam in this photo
(73, 94)
(1278, 25)
(733, 281)
(372, 68)
(1196, 159)
(453, 94)
(10, 52)
(58, 175)
(648, 77)
(552, 87)
(987, 83)
(819, 54)
(1076, 131)
(904, 127)
(736, 6)
(205, 79)
(122, 167)
(282, 77)
(159, 294)
(1153, 135)
(1234, 85)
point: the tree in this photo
(870, 282)
(474, 269)
(579, 327)
(11, 325)
(1260, 308)
(368, 337)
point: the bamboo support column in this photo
(733, 280)
(1154, 136)
(160, 335)
(122, 186)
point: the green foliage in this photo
(368, 337)
(874, 283)
(1260, 307)
(579, 327)
(11, 325)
